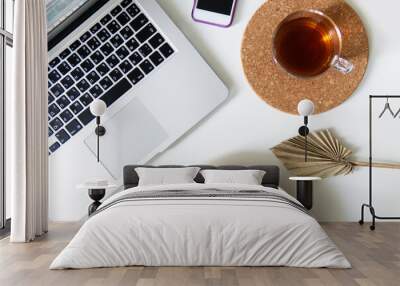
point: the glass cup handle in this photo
(342, 65)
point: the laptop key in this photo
(116, 91)
(92, 77)
(156, 58)
(77, 73)
(64, 68)
(156, 40)
(123, 18)
(115, 74)
(138, 22)
(83, 51)
(125, 3)
(135, 58)
(65, 54)
(112, 60)
(86, 116)
(146, 33)
(73, 127)
(107, 18)
(97, 57)
(57, 90)
(135, 76)
(73, 59)
(126, 32)
(53, 110)
(93, 43)
(106, 83)
(83, 85)
(85, 36)
(113, 27)
(50, 132)
(63, 102)
(54, 147)
(54, 76)
(50, 98)
(86, 99)
(62, 136)
(102, 69)
(76, 107)
(96, 91)
(66, 115)
(87, 65)
(103, 35)
(146, 66)
(54, 62)
(95, 28)
(166, 50)
(75, 45)
(107, 49)
(116, 41)
(73, 93)
(145, 50)
(133, 10)
(56, 124)
(132, 44)
(67, 82)
(116, 10)
(122, 52)
(125, 66)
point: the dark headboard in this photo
(271, 177)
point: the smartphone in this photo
(214, 12)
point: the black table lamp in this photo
(305, 109)
(97, 108)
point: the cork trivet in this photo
(284, 91)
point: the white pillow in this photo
(165, 176)
(247, 177)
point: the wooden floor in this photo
(375, 257)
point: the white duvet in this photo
(200, 231)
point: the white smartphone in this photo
(214, 12)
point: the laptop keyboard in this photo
(104, 62)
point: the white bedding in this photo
(200, 231)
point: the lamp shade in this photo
(305, 107)
(98, 107)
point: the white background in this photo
(244, 129)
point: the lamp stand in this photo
(304, 131)
(100, 131)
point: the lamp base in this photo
(304, 131)
(100, 130)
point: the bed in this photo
(200, 224)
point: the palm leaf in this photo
(326, 156)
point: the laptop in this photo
(129, 54)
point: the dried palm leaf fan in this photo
(327, 156)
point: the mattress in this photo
(201, 225)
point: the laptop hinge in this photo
(66, 27)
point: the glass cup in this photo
(307, 43)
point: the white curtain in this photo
(26, 119)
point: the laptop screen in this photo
(60, 10)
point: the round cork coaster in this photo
(284, 91)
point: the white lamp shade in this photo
(98, 107)
(305, 107)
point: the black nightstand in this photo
(304, 190)
(96, 193)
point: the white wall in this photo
(243, 130)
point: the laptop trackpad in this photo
(132, 136)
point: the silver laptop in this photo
(131, 55)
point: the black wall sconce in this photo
(305, 109)
(97, 108)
